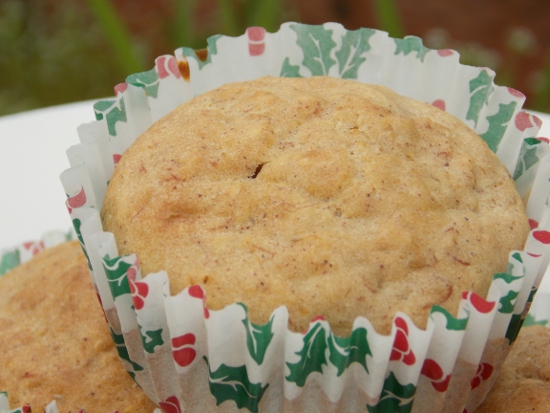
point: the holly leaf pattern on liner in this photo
(232, 383)
(352, 349)
(203, 56)
(409, 45)
(258, 338)
(152, 339)
(9, 260)
(122, 351)
(350, 56)
(480, 89)
(395, 397)
(497, 124)
(527, 156)
(76, 225)
(107, 109)
(316, 44)
(289, 70)
(116, 271)
(312, 356)
(147, 80)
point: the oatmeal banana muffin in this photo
(55, 341)
(328, 196)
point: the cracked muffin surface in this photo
(328, 196)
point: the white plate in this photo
(32, 155)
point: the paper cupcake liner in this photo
(189, 358)
(12, 257)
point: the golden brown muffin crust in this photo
(55, 341)
(523, 385)
(331, 197)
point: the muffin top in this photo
(328, 196)
(523, 384)
(55, 341)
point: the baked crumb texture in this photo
(330, 197)
(523, 385)
(55, 342)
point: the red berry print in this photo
(533, 224)
(116, 158)
(516, 93)
(33, 247)
(139, 290)
(483, 373)
(256, 41)
(434, 372)
(445, 52)
(479, 303)
(171, 405)
(166, 65)
(542, 236)
(523, 120)
(121, 88)
(439, 103)
(196, 291)
(401, 350)
(545, 140)
(76, 201)
(183, 352)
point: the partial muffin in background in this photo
(55, 341)
(523, 385)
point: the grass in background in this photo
(49, 57)
(70, 51)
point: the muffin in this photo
(523, 384)
(55, 343)
(328, 196)
(187, 353)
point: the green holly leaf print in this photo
(411, 44)
(203, 56)
(480, 89)
(122, 351)
(350, 56)
(497, 125)
(258, 338)
(454, 324)
(232, 383)
(289, 70)
(151, 339)
(9, 260)
(517, 257)
(527, 156)
(353, 349)
(316, 43)
(147, 80)
(530, 321)
(312, 356)
(508, 278)
(112, 114)
(115, 270)
(76, 225)
(395, 397)
(507, 302)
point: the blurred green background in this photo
(60, 51)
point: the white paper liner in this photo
(187, 358)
